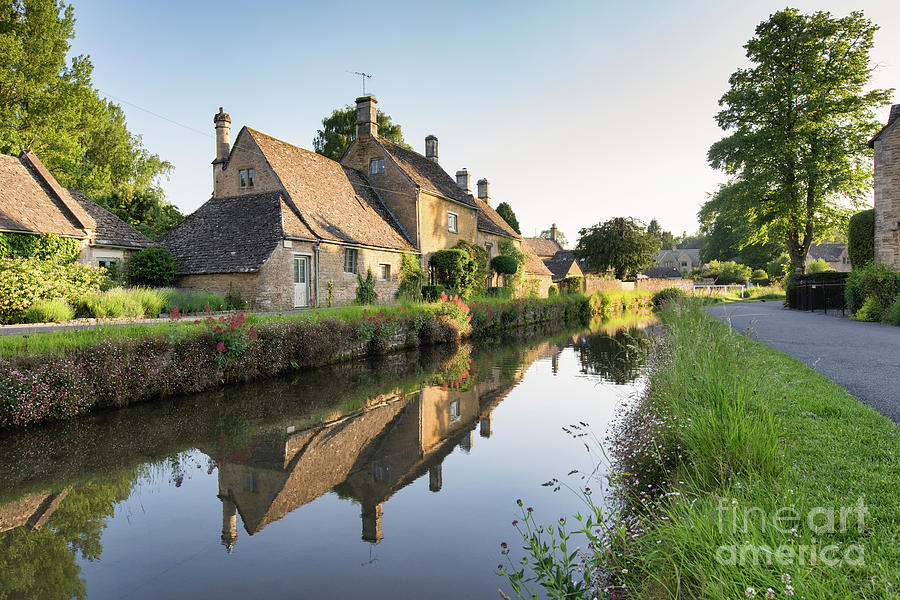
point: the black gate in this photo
(812, 294)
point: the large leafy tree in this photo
(666, 239)
(798, 120)
(339, 129)
(506, 211)
(621, 244)
(725, 239)
(48, 104)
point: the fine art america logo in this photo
(798, 548)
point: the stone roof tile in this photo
(426, 173)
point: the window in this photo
(454, 411)
(382, 474)
(251, 482)
(246, 177)
(351, 256)
(384, 272)
(108, 263)
(376, 166)
(684, 264)
(452, 218)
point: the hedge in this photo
(861, 238)
(505, 265)
(24, 281)
(44, 246)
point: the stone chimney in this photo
(366, 119)
(485, 423)
(462, 180)
(435, 478)
(223, 143)
(431, 148)
(229, 523)
(371, 522)
(553, 232)
(484, 192)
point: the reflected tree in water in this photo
(619, 358)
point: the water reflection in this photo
(362, 431)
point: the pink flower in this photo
(220, 347)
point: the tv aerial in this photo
(363, 76)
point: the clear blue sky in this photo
(575, 111)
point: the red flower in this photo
(220, 347)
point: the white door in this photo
(301, 281)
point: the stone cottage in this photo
(561, 263)
(833, 253)
(32, 202)
(288, 228)
(682, 259)
(887, 191)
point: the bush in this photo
(666, 295)
(455, 269)
(432, 293)
(874, 280)
(411, 278)
(553, 290)
(819, 265)
(365, 292)
(49, 311)
(779, 267)
(861, 238)
(48, 247)
(152, 301)
(499, 292)
(892, 314)
(759, 277)
(871, 311)
(153, 266)
(480, 272)
(571, 285)
(504, 265)
(24, 281)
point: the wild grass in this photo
(757, 455)
(49, 311)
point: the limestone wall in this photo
(887, 198)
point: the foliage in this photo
(48, 104)
(799, 120)
(725, 273)
(876, 281)
(516, 281)
(339, 130)
(613, 304)
(861, 238)
(504, 265)
(49, 311)
(231, 334)
(145, 209)
(44, 246)
(504, 292)
(506, 211)
(329, 298)
(687, 241)
(666, 239)
(620, 243)
(892, 314)
(553, 290)
(727, 237)
(779, 267)
(432, 293)
(759, 277)
(479, 258)
(365, 291)
(412, 276)
(23, 281)
(153, 266)
(111, 304)
(560, 236)
(819, 265)
(666, 295)
(455, 269)
(871, 310)
(571, 285)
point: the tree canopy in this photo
(666, 239)
(506, 211)
(48, 104)
(798, 120)
(622, 244)
(560, 236)
(339, 129)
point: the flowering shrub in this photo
(231, 334)
(23, 281)
(455, 310)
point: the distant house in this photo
(887, 191)
(32, 202)
(834, 253)
(662, 273)
(682, 259)
(562, 263)
(288, 228)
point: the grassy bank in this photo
(739, 471)
(69, 373)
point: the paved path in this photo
(862, 357)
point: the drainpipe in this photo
(316, 256)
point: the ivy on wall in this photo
(43, 246)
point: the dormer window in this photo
(246, 178)
(376, 166)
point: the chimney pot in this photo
(553, 232)
(366, 117)
(484, 192)
(462, 180)
(431, 148)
